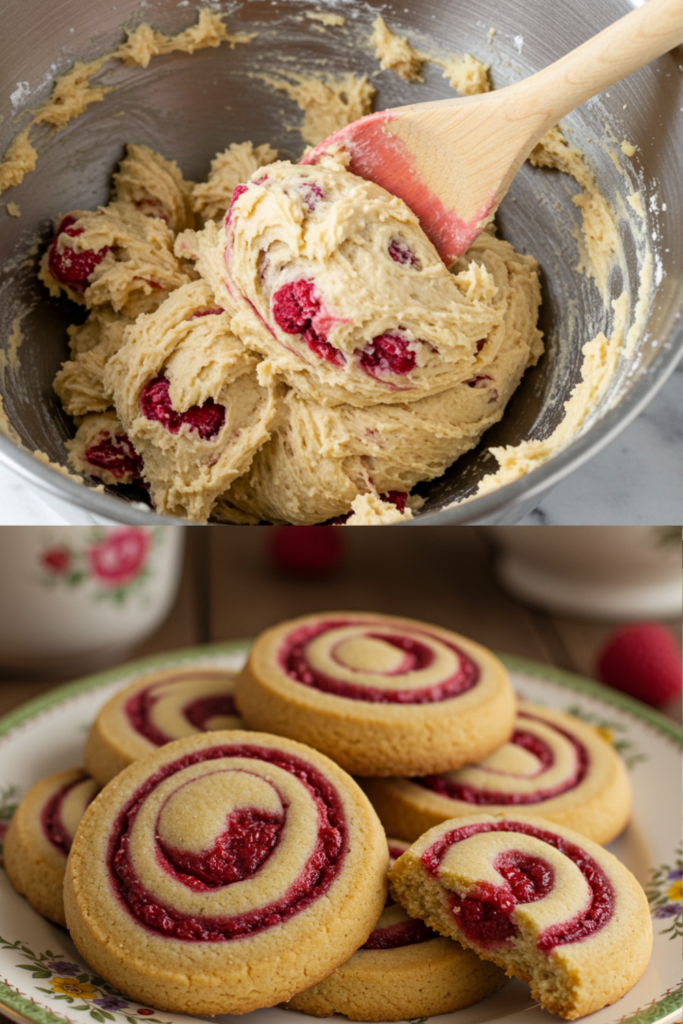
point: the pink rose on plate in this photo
(120, 557)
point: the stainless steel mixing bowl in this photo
(190, 107)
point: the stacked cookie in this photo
(223, 869)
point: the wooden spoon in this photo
(453, 160)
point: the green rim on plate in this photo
(554, 675)
(23, 1008)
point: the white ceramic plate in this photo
(42, 978)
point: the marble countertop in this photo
(637, 479)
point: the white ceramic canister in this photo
(596, 572)
(76, 598)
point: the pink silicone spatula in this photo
(452, 161)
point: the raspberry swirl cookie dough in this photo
(404, 970)
(340, 289)
(545, 903)
(553, 765)
(156, 709)
(224, 873)
(39, 838)
(324, 363)
(380, 695)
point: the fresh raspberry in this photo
(155, 404)
(305, 550)
(387, 353)
(644, 661)
(478, 382)
(69, 267)
(115, 453)
(206, 419)
(401, 252)
(294, 307)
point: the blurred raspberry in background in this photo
(305, 550)
(644, 661)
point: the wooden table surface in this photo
(443, 575)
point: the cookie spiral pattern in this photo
(363, 661)
(39, 838)
(543, 902)
(271, 799)
(404, 970)
(540, 761)
(553, 765)
(369, 691)
(225, 839)
(155, 710)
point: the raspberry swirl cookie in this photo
(404, 970)
(202, 879)
(39, 838)
(553, 765)
(378, 694)
(545, 903)
(156, 709)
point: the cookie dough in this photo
(101, 449)
(319, 458)
(211, 198)
(309, 359)
(116, 256)
(186, 393)
(464, 73)
(338, 288)
(327, 103)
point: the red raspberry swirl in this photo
(485, 917)
(249, 838)
(405, 932)
(453, 788)
(140, 707)
(54, 828)
(419, 649)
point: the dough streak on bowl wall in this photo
(338, 363)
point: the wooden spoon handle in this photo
(623, 47)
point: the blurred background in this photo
(598, 601)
